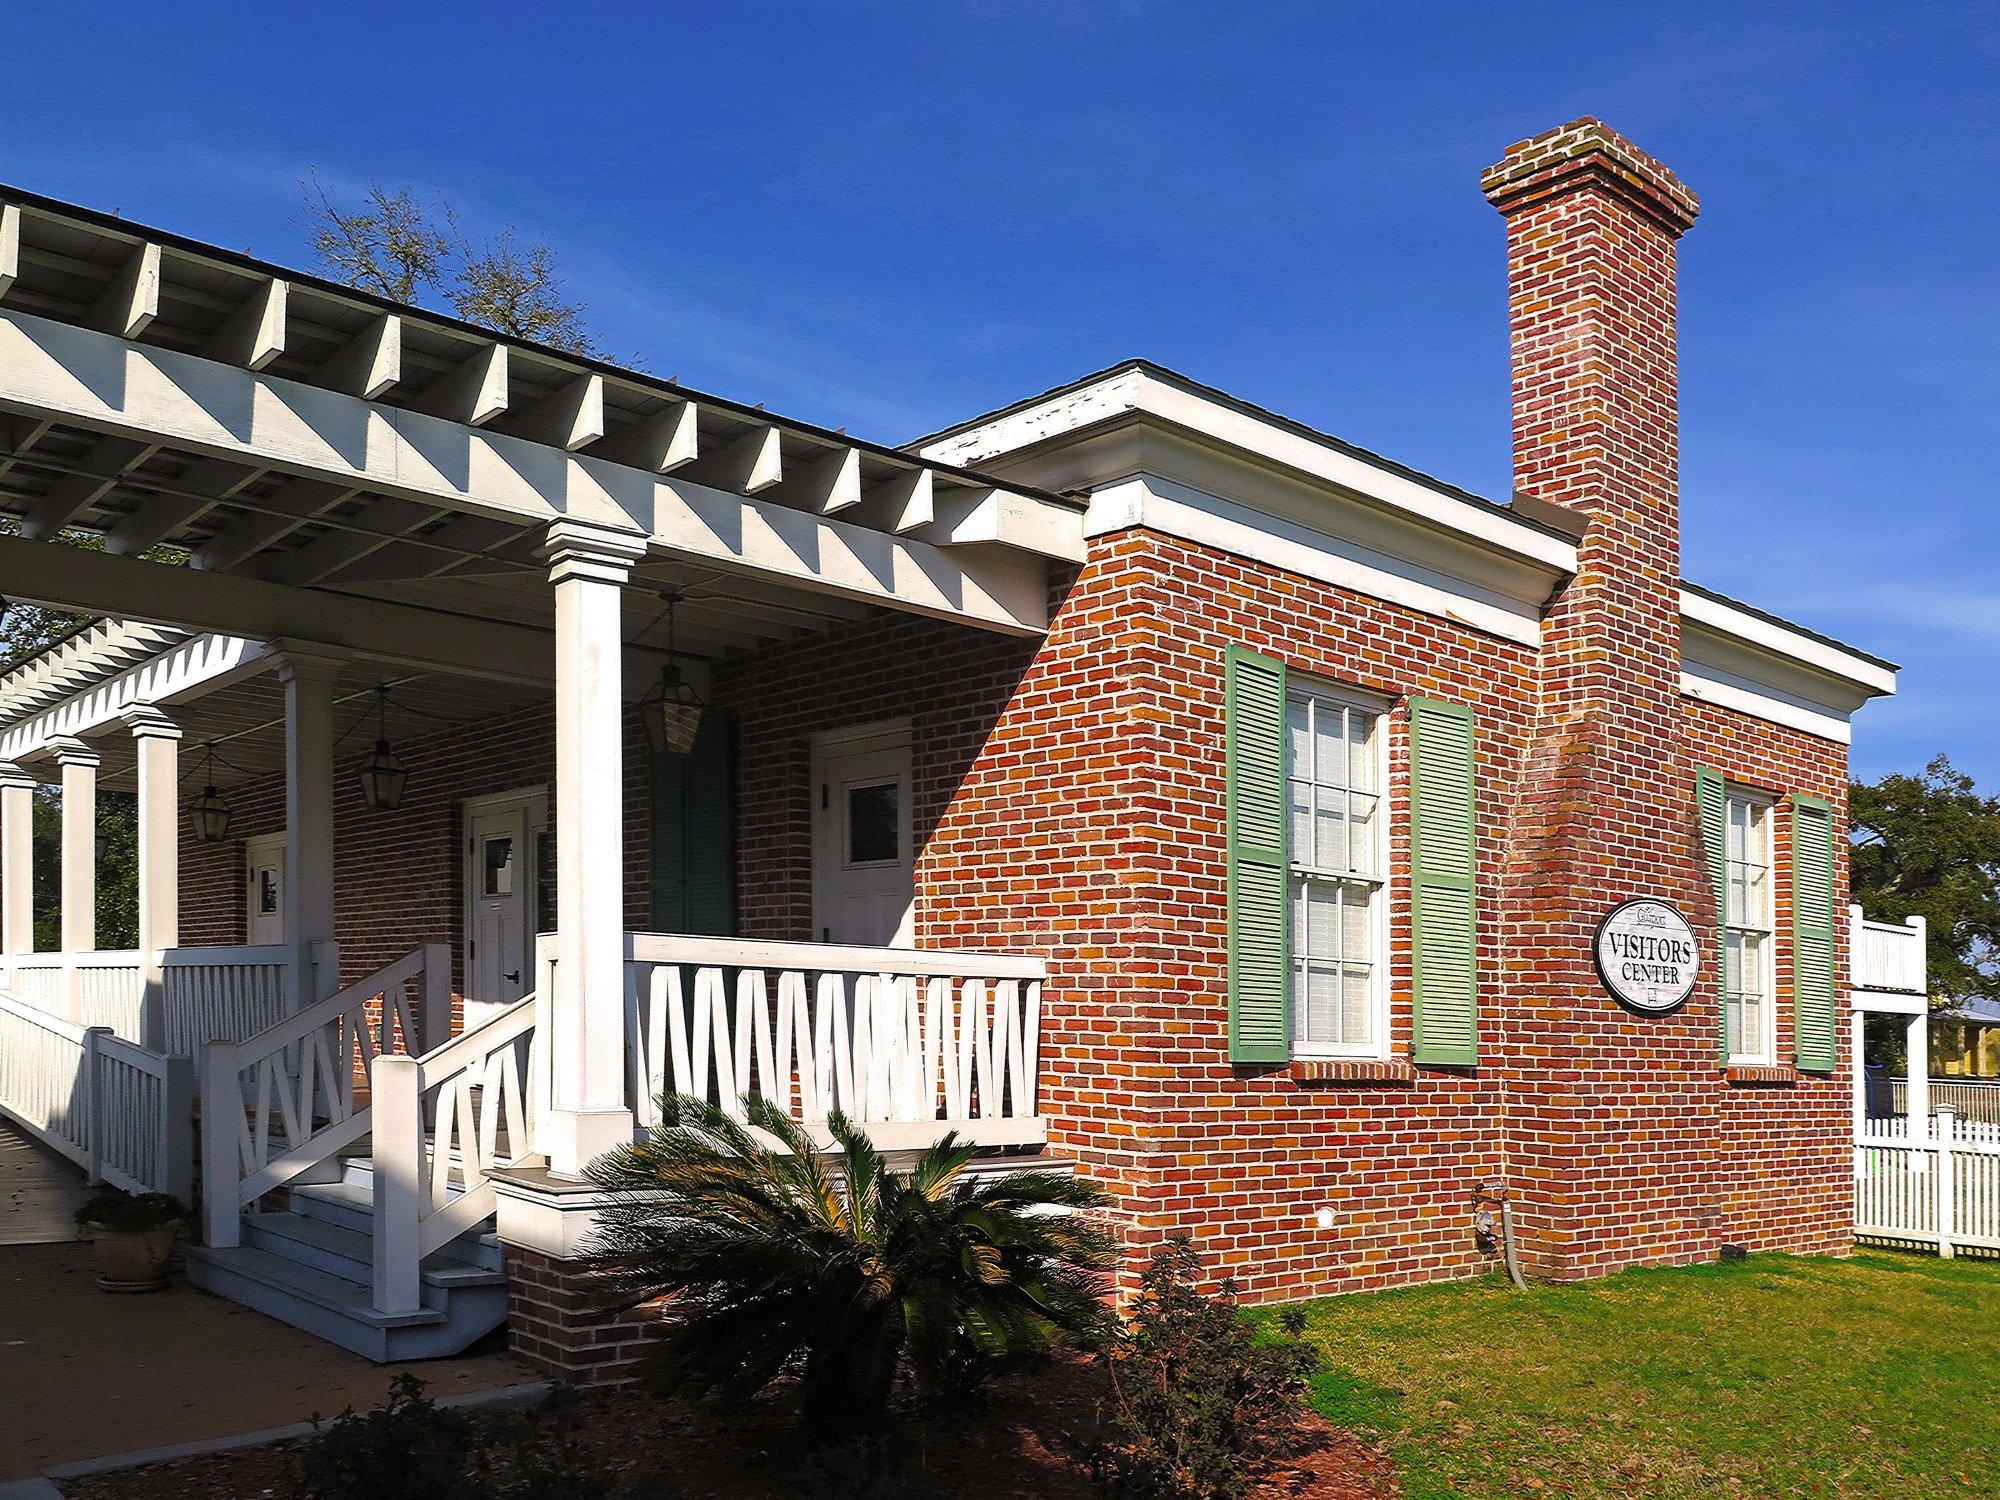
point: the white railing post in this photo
(93, 1104)
(1945, 1137)
(436, 1002)
(221, 1120)
(176, 1160)
(397, 1143)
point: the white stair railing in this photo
(475, 1090)
(122, 1113)
(911, 1043)
(298, 1077)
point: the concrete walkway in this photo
(38, 1191)
(85, 1373)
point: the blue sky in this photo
(888, 217)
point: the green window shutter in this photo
(1711, 804)
(1444, 868)
(1260, 966)
(1814, 1024)
(694, 834)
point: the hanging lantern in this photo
(671, 712)
(383, 777)
(211, 813)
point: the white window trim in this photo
(1766, 1053)
(1378, 1049)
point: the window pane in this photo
(872, 823)
(1298, 737)
(497, 867)
(1354, 921)
(1331, 851)
(1361, 753)
(1300, 793)
(1363, 811)
(1322, 926)
(1354, 1016)
(1319, 1003)
(1330, 754)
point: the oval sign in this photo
(1647, 955)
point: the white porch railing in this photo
(282, 1103)
(123, 1114)
(1972, 1102)
(205, 993)
(1886, 956)
(911, 1043)
(104, 987)
(1938, 1186)
(232, 994)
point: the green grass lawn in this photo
(1776, 1376)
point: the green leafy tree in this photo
(1929, 845)
(395, 246)
(834, 1269)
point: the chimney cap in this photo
(1589, 153)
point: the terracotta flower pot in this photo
(134, 1260)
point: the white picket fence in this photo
(1938, 1187)
(122, 1113)
(910, 1043)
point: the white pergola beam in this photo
(752, 463)
(369, 363)
(982, 514)
(908, 501)
(570, 418)
(97, 583)
(97, 474)
(443, 550)
(192, 669)
(254, 334)
(275, 518)
(327, 555)
(10, 245)
(473, 392)
(55, 369)
(662, 442)
(205, 484)
(129, 304)
(827, 485)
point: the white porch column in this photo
(17, 863)
(310, 678)
(588, 1112)
(1917, 1064)
(156, 745)
(79, 844)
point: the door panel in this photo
(264, 890)
(498, 886)
(864, 885)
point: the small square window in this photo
(874, 823)
(267, 892)
(497, 867)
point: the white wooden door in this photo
(498, 885)
(264, 889)
(864, 884)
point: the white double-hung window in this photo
(1338, 878)
(1747, 940)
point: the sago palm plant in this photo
(829, 1265)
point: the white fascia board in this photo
(1139, 391)
(180, 400)
(191, 669)
(1709, 686)
(1733, 670)
(1870, 679)
(1178, 510)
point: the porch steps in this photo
(312, 1266)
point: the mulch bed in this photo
(1018, 1442)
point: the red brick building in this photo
(1312, 795)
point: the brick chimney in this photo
(1610, 1117)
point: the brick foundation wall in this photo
(554, 1323)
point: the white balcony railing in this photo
(1887, 956)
